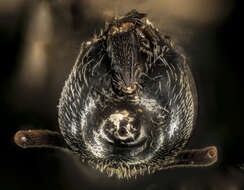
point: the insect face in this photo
(129, 104)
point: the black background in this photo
(216, 61)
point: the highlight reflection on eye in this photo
(129, 104)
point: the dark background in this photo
(28, 99)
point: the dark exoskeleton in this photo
(129, 105)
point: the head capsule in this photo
(129, 104)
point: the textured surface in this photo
(117, 129)
(214, 56)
